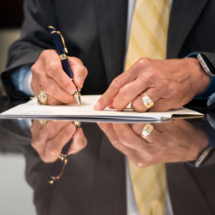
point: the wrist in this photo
(200, 79)
(201, 142)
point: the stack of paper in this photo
(85, 112)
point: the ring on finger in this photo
(42, 98)
(147, 101)
(148, 128)
(42, 121)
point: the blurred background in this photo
(11, 17)
(16, 196)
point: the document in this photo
(86, 112)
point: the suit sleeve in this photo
(35, 38)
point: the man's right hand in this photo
(48, 75)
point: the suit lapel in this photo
(109, 189)
(112, 19)
(184, 15)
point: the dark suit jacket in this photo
(93, 182)
(95, 31)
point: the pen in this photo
(62, 52)
(62, 160)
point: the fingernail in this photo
(70, 90)
(97, 106)
(80, 80)
(69, 127)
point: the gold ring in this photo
(148, 128)
(42, 121)
(42, 98)
(147, 101)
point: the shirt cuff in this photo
(21, 80)
(211, 87)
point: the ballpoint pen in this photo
(62, 52)
(62, 160)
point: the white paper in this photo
(86, 111)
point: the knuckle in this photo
(125, 92)
(45, 159)
(116, 143)
(142, 61)
(45, 54)
(124, 138)
(34, 70)
(33, 143)
(51, 68)
(116, 83)
(51, 149)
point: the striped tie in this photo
(149, 29)
(148, 38)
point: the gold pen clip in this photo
(58, 177)
(63, 41)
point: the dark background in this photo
(11, 13)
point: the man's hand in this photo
(48, 75)
(48, 140)
(177, 141)
(169, 84)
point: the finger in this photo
(108, 129)
(129, 92)
(162, 105)
(54, 70)
(37, 69)
(54, 146)
(128, 137)
(153, 93)
(111, 106)
(114, 88)
(154, 137)
(53, 90)
(44, 133)
(79, 142)
(51, 129)
(79, 71)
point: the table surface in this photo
(93, 180)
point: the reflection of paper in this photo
(87, 111)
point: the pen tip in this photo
(78, 98)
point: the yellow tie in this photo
(148, 38)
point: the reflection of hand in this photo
(48, 75)
(48, 140)
(168, 142)
(169, 83)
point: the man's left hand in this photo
(170, 84)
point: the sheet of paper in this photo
(34, 110)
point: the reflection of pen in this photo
(62, 160)
(62, 52)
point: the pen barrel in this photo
(66, 68)
(60, 50)
(57, 42)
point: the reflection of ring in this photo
(147, 101)
(42, 98)
(42, 121)
(148, 128)
(77, 124)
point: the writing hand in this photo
(48, 140)
(48, 75)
